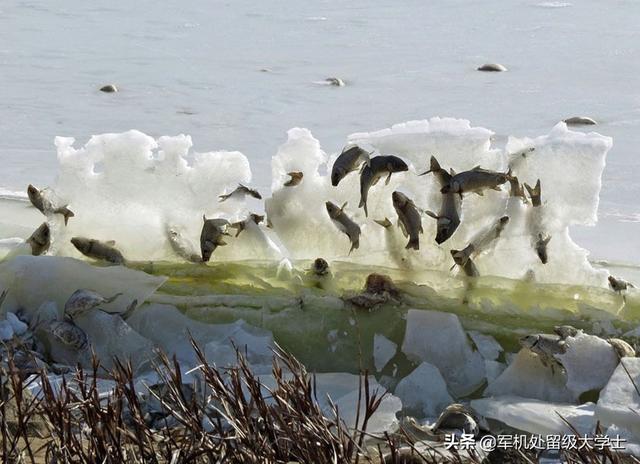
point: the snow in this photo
(423, 392)
(438, 338)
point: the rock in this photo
(492, 67)
(619, 402)
(580, 121)
(383, 350)
(109, 88)
(18, 326)
(535, 416)
(488, 347)
(6, 330)
(589, 362)
(439, 339)
(423, 392)
(527, 377)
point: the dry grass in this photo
(229, 417)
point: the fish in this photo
(348, 161)
(182, 247)
(517, 191)
(539, 238)
(96, 249)
(441, 174)
(242, 225)
(320, 267)
(477, 180)
(448, 217)
(241, 191)
(212, 235)
(469, 268)
(409, 219)
(45, 206)
(480, 243)
(82, 301)
(40, 240)
(295, 178)
(344, 223)
(546, 346)
(371, 174)
(619, 285)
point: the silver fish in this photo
(344, 223)
(295, 178)
(622, 348)
(448, 217)
(241, 191)
(182, 247)
(378, 167)
(82, 301)
(211, 237)
(409, 219)
(476, 180)
(101, 251)
(441, 174)
(480, 243)
(348, 161)
(40, 240)
(45, 206)
(539, 238)
(457, 419)
(546, 347)
(517, 191)
(242, 225)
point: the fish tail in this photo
(355, 245)
(414, 244)
(223, 197)
(66, 212)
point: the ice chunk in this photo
(111, 337)
(17, 325)
(343, 390)
(589, 362)
(527, 377)
(423, 392)
(6, 330)
(494, 369)
(488, 347)
(438, 338)
(383, 350)
(537, 417)
(36, 279)
(167, 327)
(619, 403)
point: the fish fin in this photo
(452, 172)
(478, 192)
(386, 182)
(432, 214)
(354, 245)
(66, 212)
(221, 242)
(366, 211)
(476, 168)
(496, 187)
(383, 222)
(223, 197)
(425, 173)
(402, 228)
(113, 298)
(343, 206)
(547, 240)
(535, 191)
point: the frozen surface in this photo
(488, 347)
(537, 417)
(619, 402)
(438, 338)
(32, 281)
(423, 392)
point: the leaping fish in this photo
(477, 180)
(45, 206)
(212, 236)
(241, 191)
(480, 243)
(409, 219)
(101, 251)
(371, 174)
(539, 238)
(344, 223)
(348, 161)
